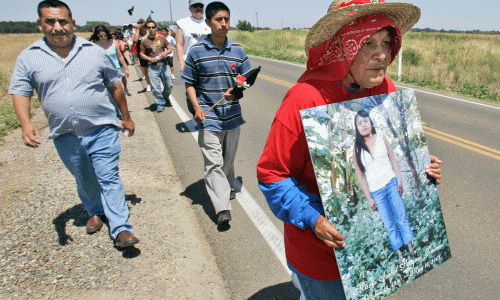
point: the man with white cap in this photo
(190, 31)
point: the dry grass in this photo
(468, 64)
(12, 45)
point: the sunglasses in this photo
(150, 27)
(102, 35)
(112, 33)
(197, 6)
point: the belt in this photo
(160, 63)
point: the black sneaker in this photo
(223, 217)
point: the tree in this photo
(91, 24)
(245, 26)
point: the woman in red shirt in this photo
(349, 50)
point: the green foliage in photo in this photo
(369, 266)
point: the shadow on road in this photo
(80, 217)
(199, 196)
(282, 291)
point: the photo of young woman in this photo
(380, 178)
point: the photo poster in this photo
(369, 266)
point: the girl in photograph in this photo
(380, 179)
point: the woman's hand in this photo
(400, 187)
(328, 233)
(127, 73)
(373, 205)
(434, 169)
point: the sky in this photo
(276, 14)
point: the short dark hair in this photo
(214, 8)
(52, 3)
(150, 21)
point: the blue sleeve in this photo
(245, 66)
(189, 73)
(20, 82)
(292, 203)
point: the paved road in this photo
(463, 134)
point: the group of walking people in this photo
(80, 83)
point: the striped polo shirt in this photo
(211, 70)
(73, 94)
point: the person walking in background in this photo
(155, 49)
(121, 44)
(141, 34)
(210, 68)
(128, 36)
(103, 38)
(72, 77)
(170, 58)
(380, 178)
(349, 50)
(190, 30)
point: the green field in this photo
(467, 64)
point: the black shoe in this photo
(232, 195)
(223, 217)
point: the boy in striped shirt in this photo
(208, 74)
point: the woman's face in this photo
(113, 35)
(102, 36)
(364, 126)
(370, 64)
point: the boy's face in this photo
(219, 23)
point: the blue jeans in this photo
(321, 290)
(392, 211)
(159, 75)
(93, 161)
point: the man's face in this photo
(197, 11)
(219, 23)
(151, 27)
(57, 26)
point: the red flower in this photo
(233, 67)
(240, 80)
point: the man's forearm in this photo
(192, 96)
(22, 107)
(118, 96)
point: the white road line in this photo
(422, 91)
(271, 234)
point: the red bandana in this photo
(326, 62)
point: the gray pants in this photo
(219, 150)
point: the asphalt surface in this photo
(466, 140)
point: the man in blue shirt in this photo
(208, 74)
(72, 77)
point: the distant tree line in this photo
(32, 27)
(454, 31)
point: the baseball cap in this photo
(193, 2)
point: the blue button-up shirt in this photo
(73, 93)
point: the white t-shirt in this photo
(378, 167)
(171, 41)
(193, 31)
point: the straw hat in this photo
(405, 15)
